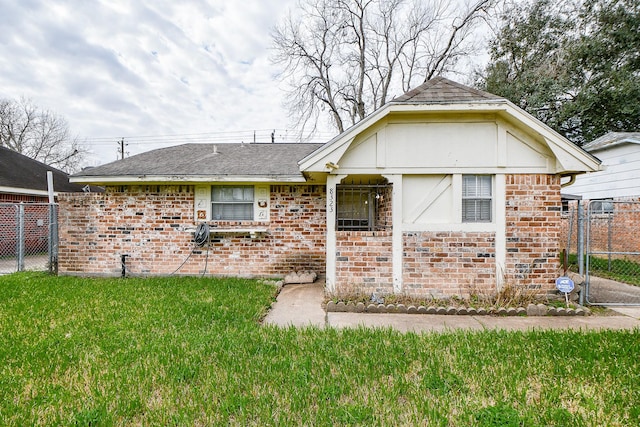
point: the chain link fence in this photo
(28, 237)
(612, 261)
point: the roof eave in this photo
(26, 191)
(183, 179)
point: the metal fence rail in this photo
(28, 237)
(612, 261)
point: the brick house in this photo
(445, 190)
(611, 196)
(24, 180)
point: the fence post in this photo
(53, 239)
(581, 249)
(20, 246)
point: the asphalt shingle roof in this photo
(611, 139)
(20, 171)
(441, 90)
(257, 159)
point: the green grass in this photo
(621, 270)
(186, 351)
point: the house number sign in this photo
(331, 199)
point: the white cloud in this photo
(144, 67)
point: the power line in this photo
(262, 135)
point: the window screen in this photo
(232, 203)
(476, 198)
(601, 207)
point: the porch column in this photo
(501, 230)
(332, 182)
(396, 229)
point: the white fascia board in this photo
(184, 179)
(25, 191)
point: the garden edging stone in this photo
(530, 310)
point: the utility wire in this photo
(264, 135)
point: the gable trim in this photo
(570, 158)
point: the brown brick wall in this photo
(617, 232)
(151, 224)
(364, 262)
(442, 264)
(533, 220)
(17, 198)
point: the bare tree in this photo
(39, 134)
(344, 58)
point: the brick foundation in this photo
(440, 264)
(153, 226)
(364, 262)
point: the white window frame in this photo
(245, 202)
(203, 202)
(478, 195)
(601, 207)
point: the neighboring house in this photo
(23, 179)
(619, 178)
(615, 188)
(443, 191)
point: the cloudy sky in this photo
(145, 67)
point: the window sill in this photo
(252, 231)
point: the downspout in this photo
(572, 179)
(580, 248)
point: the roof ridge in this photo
(442, 90)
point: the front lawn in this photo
(187, 351)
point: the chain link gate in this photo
(28, 237)
(612, 259)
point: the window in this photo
(232, 203)
(601, 207)
(362, 207)
(476, 198)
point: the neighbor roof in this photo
(611, 139)
(22, 174)
(441, 90)
(206, 162)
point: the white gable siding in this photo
(442, 147)
(621, 177)
(361, 154)
(526, 154)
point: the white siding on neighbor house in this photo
(620, 179)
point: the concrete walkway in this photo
(301, 305)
